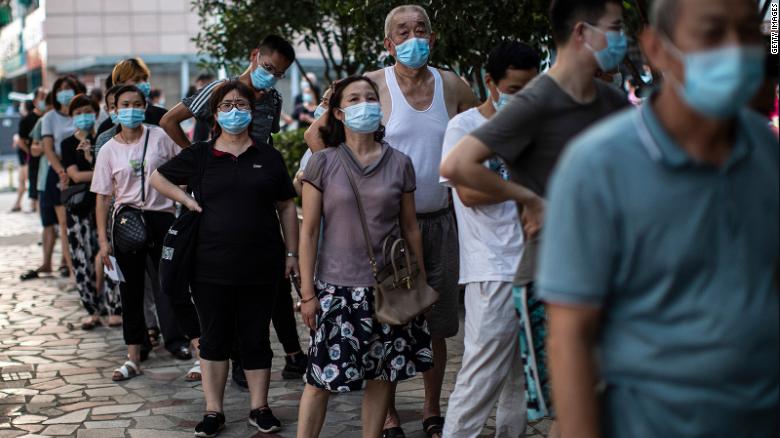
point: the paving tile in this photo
(28, 419)
(112, 424)
(116, 409)
(107, 391)
(60, 429)
(73, 417)
(101, 433)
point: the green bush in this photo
(292, 147)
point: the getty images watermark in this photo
(773, 28)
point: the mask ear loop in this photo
(680, 55)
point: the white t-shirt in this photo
(57, 126)
(490, 236)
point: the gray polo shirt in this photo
(681, 257)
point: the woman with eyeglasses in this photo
(240, 256)
(122, 171)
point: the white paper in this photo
(116, 273)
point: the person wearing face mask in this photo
(56, 126)
(82, 231)
(417, 102)
(244, 194)
(26, 125)
(529, 134)
(665, 218)
(349, 348)
(304, 112)
(319, 112)
(491, 242)
(269, 62)
(121, 177)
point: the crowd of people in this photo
(620, 268)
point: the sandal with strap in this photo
(30, 275)
(194, 370)
(393, 432)
(127, 371)
(154, 336)
(89, 325)
(433, 425)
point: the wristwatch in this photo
(292, 254)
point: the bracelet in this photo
(292, 254)
(303, 301)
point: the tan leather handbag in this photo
(401, 292)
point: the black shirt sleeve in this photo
(69, 152)
(26, 125)
(105, 126)
(182, 168)
(284, 189)
(154, 114)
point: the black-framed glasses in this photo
(241, 105)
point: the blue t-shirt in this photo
(681, 257)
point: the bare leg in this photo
(391, 419)
(214, 376)
(63, 222)
(376, 400)
(48, 248)
(433, 379)
(258, 381)
(311, 412)
(134, 353)
(22, 189)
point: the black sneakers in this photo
(263, 419)
(295, 366)
(212, 423)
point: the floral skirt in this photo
(351, 346)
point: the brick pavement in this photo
(56, 381)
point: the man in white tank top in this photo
(417, 103)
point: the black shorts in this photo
(32, 173)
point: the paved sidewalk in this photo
(57, 381)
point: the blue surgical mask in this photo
(130, 117)
(234, 121)
(145, 88)
(307, 98)
(363, 117)
(503, 98)
(41, 105)
(85, 122)
(262, 79)
(113, 116)
(611, 56)
(413, 52)
(65, 96)
(319, 111)
(719, 82)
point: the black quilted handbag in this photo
(129, 230)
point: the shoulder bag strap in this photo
(143, 169)
(362, 212)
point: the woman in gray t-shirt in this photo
(349, 347)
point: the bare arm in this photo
(288, 216)
(36, 149)
(173, 192)
(51, 155)
(410, 230)
(101, 217)
(463, 167)
(312, 135)
(171, 124)
(570, 345)
(79, 176)
(310, 231)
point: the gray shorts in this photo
(440, 254)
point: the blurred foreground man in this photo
(660, 249)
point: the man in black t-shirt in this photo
(25, 126)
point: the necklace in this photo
(122, 136)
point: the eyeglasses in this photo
(241, 105)
(270, 68)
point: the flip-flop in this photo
(127, 371)
(433, 425)
(64, 272)
(115, 324)
(30, 275)
(91, 324)
(194, 370)
(154, 336)
(393, 432)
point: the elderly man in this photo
(418, 102)
(660, 254)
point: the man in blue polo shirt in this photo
(660, 251)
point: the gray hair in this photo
(663, 16)
(403, 8)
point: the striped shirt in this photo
(265, 116)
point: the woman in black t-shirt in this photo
(246, 193)
(82, 231)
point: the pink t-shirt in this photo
(118, 170)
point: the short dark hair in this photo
(128, 89)
(155, 93)
(81, 100)
(275, 43)
(74, 84)
(220, 92)
(511, 54)
(333, 131)
(109, 82)
(565, 13)
(111, 92)
(205, 77)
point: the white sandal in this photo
(128, 370)
(194, 370)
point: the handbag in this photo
(401, 291)
(178, 248)
(129, 228)
(78, 199)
